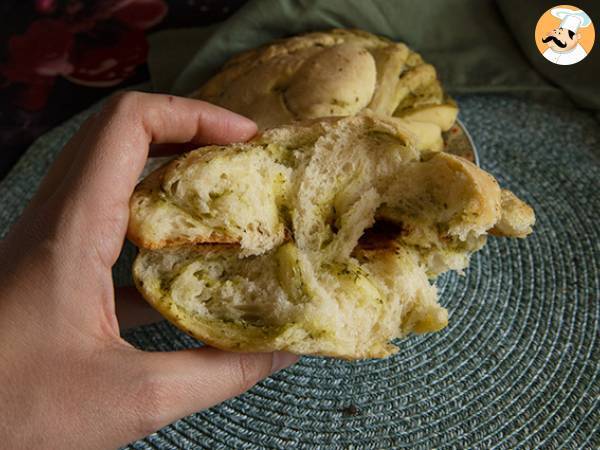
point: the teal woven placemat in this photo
(516, 368)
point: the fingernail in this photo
(281, 360)
(248, 125)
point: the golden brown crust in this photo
(333, 73)
(517, 217)
(212, 238)
(140, 198)
(486, 204)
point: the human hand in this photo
(67, 379)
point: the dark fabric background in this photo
(33, 103)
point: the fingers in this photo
(60, 166)
(114, 155)
(181, 383)
(109, 157)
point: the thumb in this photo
(180, 383)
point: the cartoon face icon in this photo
(561, 40)
(563, 35)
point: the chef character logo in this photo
(564, 35)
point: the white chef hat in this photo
(571, 19)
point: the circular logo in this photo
(565, 35)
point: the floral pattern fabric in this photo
(60, 56)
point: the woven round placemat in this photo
(517, 366)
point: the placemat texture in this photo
(517, 366)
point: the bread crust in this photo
(331, 73)
(517, 218)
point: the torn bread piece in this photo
(242, 193)
(212, 195)
(517, 217)
(356, 222)
(278, 300)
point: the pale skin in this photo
(67, 379)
